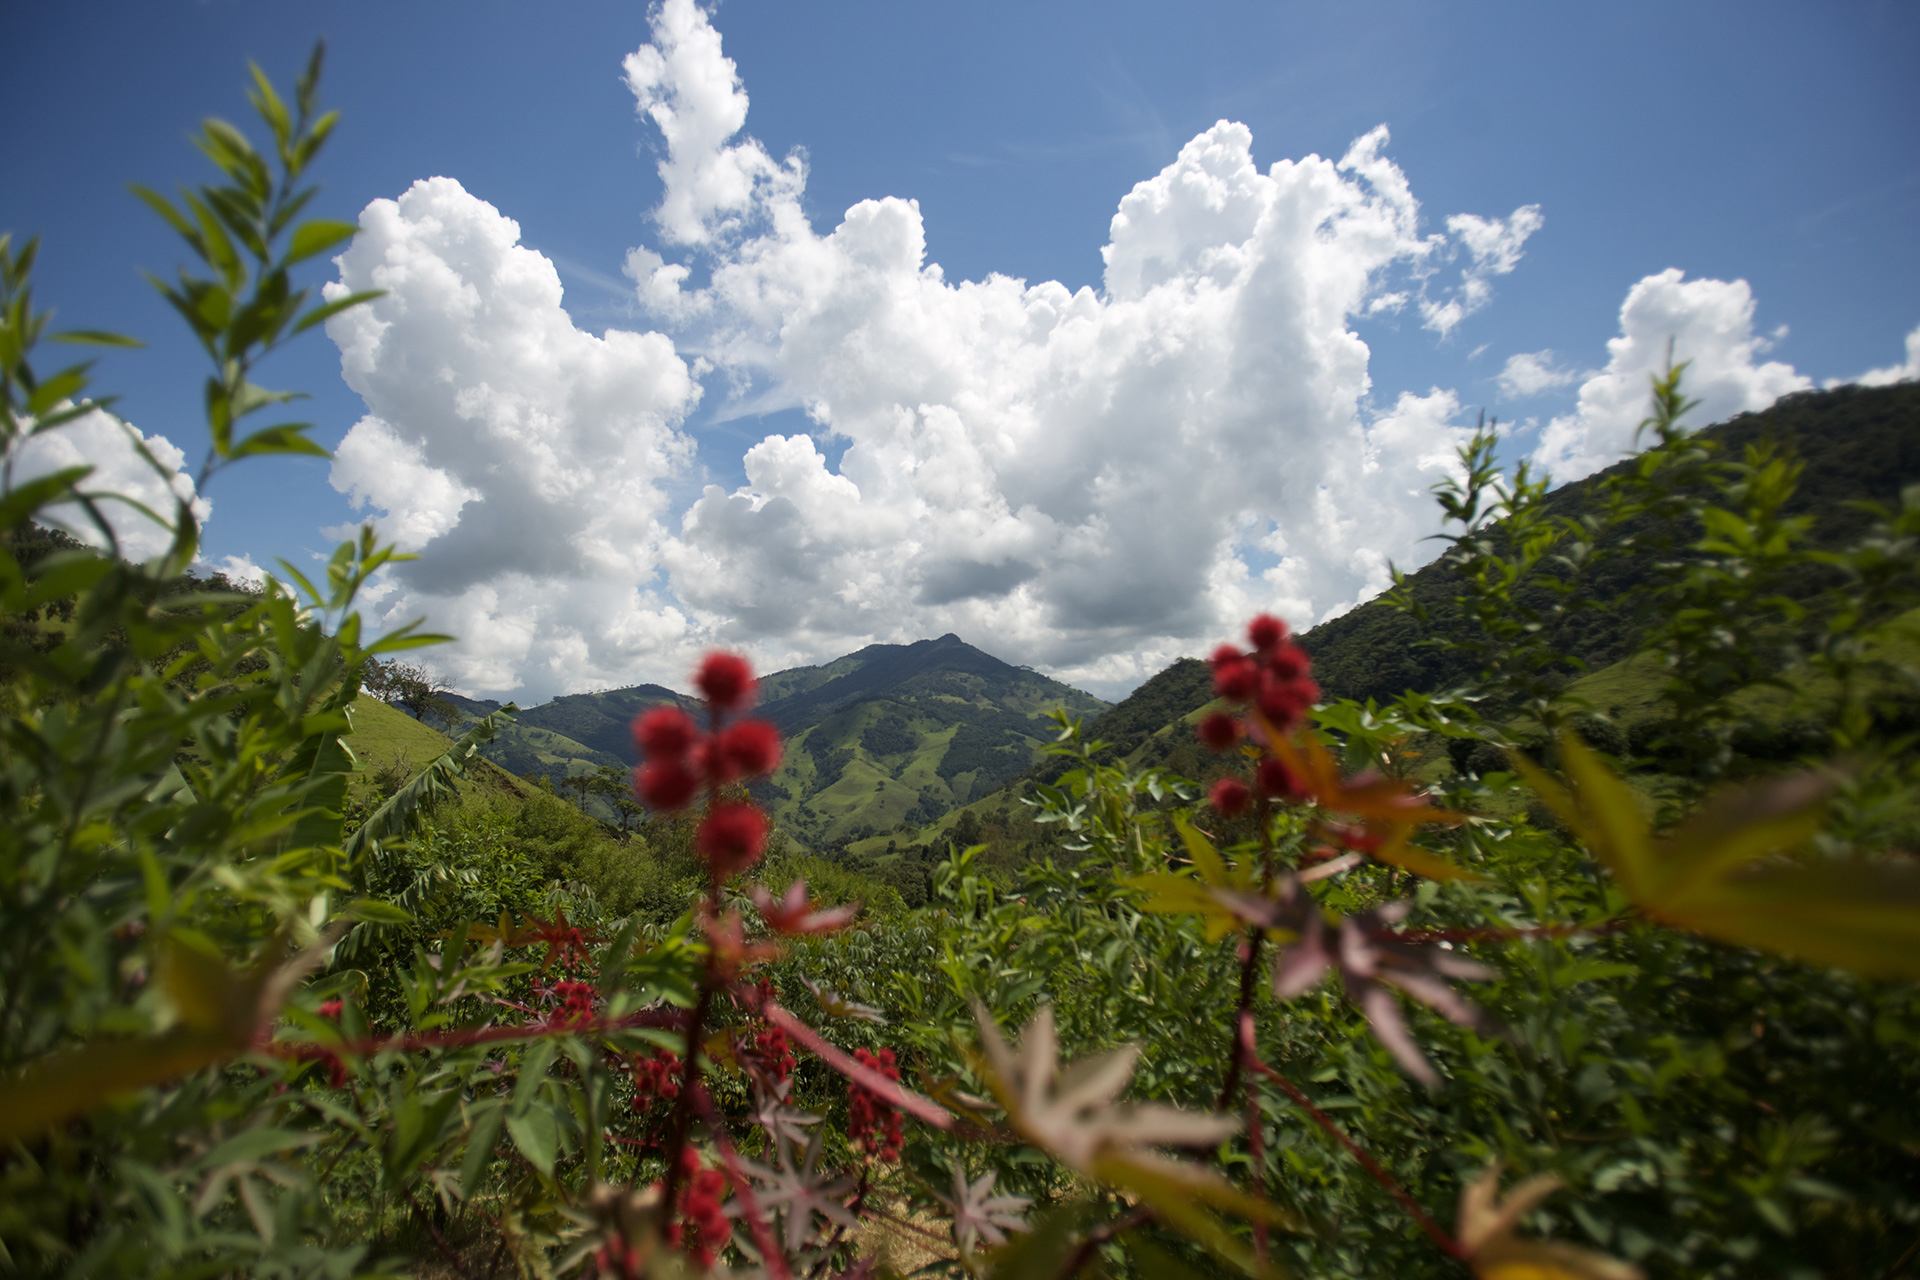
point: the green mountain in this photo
(902, 733)
(890, 734)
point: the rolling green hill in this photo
(890, 734)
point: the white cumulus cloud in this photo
(1528, 373)
(1088, 481)
(524, 456)
(1709, 324)
(111, 446)
(1892, 373)
(1493, 246)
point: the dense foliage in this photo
(1654, 1014)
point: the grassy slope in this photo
(392, 742)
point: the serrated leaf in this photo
(1708, 877)
(1401, 852)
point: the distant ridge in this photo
(889, 734)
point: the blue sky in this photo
(1768, 143)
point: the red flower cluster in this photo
(655, 1077)
(330, 1008)
(1273, 678)
(679, 758)
(576, 1003)
(773, 1054)
(872, 1123)
(702, 1229)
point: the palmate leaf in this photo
(1718, 873)
(979, 1215)
(1486, 1227)
(1076, 1116)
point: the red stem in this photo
(1447, 1244)
(763, 1239)
(869, 1079)
(1501, 935)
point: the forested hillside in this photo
(891, 734)
(1858, 444)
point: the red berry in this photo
(753, 746)
(1231, 797)
(1275, 780)
(664, 732)
(1236, 681)
(1266, 631)
(1225, 655)
(1284, 702)
(1289, 662)
(731, 837)
(725, 681)
(1219, 731)
(665, 784)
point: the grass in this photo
(390, 746)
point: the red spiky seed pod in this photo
(753, 746)
(1223, 656)
(1236, 681)
(1230, 797)
(731, 837)
(1288, 662)
(664, 733)
(1266, 631)
(726, 682)
(1274, 780)
(873, 1125)
(1219, 731)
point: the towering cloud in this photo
(1708, 324)
(524, 457)
(1088, 481)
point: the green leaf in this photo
(1156, 1263)
(1039, 1254)
(280, 440)
(28, 499)
(326, 311)
(483, 1135)
(254, 1144)
(537, 1135)
(1205, 860)
(316, 237)
(96, 338)
(164, 207)
(377, 911)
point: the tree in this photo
(411, 687)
